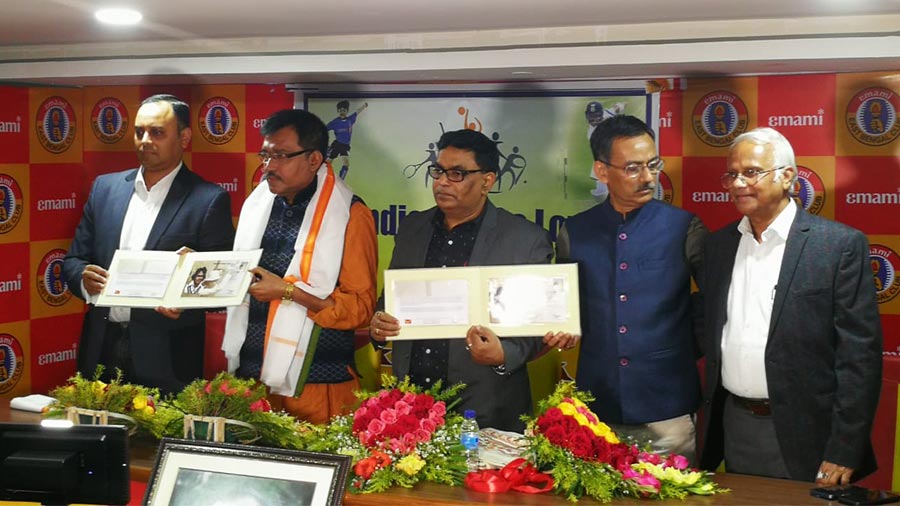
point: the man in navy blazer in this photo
(793, 343)
(160, 206)
(466, 229)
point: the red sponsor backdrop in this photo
(54, 142)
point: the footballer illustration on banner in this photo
(341, 131)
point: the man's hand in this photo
(169, 312)
(266, 286)
(383, 326)
(94, 278)
(832, 474)
(484, 346)
(561, 340)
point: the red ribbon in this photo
(518, 475)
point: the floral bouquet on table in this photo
(398, 436)
(243, 405)
(81, 398)
(586, 457)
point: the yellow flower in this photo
(149, 410)
(603, 430)
(140, 402)
(410, 464)
(567, 409)
(99, 386)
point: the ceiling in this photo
(389, 41)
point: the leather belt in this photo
(759, 407)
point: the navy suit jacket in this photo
(503, 239)
(166, 353)
(823, 355)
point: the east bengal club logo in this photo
(809, 190)
(872, 116)
(218, 120)
(109, 120)
(55, 124)
(719, 117)
(663, 190)
(12, 362)
(50, 283)
(884, 263)
(10, 203)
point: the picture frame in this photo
(202, 473)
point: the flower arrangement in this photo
(587, 458)
(135, 401)
(398, 436)
(232, 398)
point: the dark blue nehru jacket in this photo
(638, 354)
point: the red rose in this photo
(556, 434)
(553, 414)
(580, 445)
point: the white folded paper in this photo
(33, 402)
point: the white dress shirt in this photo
(751, 294)
(143, 208)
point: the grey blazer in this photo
(503, 239)
(166, 353)
(823, 355)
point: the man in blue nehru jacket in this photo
(636, 256)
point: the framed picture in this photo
(201, 473)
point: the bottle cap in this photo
(469, 413)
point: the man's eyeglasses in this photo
(266, 158)
(453, 175)
(749, 177)
(633, 169)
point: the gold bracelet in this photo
(288, 296)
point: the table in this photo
(745, 490)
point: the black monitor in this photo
(63, 465)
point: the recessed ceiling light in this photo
(521, 73)
(118, 16)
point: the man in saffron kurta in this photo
(305, 220)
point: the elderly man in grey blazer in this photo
(466, 229)
(793, 342)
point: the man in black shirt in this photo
(466, 229)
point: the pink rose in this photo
(428, 425)
(361, 412)
(422, 435)
(679, 462)
(409, 441)
(439, 409)
(409, 398)
(376, 427)
(403, 408)
(388, 416)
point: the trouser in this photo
(751, 445)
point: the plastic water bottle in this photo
(470, 438)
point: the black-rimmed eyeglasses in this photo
(453, 175)
(749, 177)
(266, 158)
